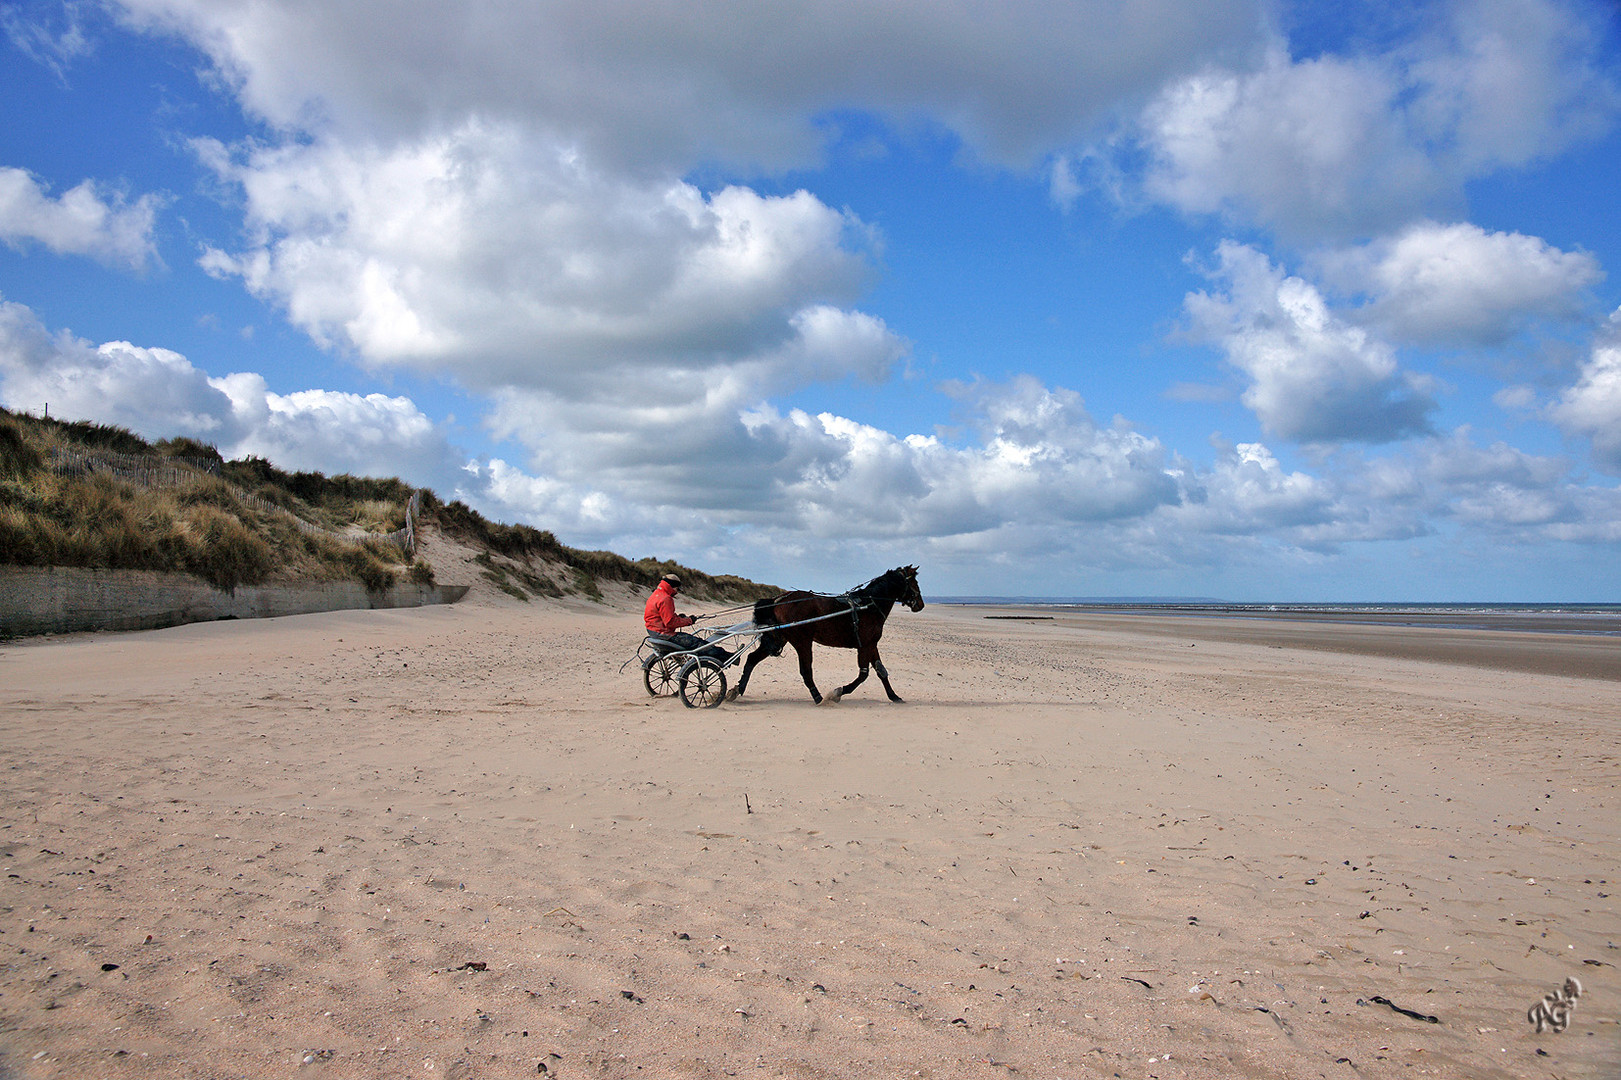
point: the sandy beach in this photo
(460, 842)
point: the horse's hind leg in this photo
(803, 648)
(767, 647)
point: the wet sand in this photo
(1535, 644)
(460, 842)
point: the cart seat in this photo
(662, 646)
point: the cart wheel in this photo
(703, 684)
(659, 675)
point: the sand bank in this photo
(459, 842)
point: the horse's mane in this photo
(869, 589)
(765, 610)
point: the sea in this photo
(1600, 619)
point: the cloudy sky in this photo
(1223, 298)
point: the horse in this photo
(854, 620)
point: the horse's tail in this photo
(765, 613)
(765, 616)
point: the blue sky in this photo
(1218, 298)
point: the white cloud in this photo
(1040, 491)
(649, 87)
(152, 391)
(1459, 284)
(1496, 491)
(1342, 146)
(1314, 377)
(82, 221)
(1496, 485)
(1039, 461)
(1503, 82)
(1309, 147)
(513, 264)
(158, 393)
(1248, 492)
(1591, 408)
(335, 431)
(1039, 457)
(52, 34)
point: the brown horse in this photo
(854, 620)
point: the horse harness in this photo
(855, 616)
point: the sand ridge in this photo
(460, 842)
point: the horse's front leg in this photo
(883, 676)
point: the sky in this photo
(1248, 300)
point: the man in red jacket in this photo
(660, 616)
(663, 621)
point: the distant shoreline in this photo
(1546, 618)
(1583, 646)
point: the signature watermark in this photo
(1554, 1010)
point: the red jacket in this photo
(660, 615)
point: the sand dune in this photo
(460, 842)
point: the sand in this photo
(460, 842)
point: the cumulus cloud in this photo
(1434, 284)
(1495, 491)
(1038, 459)
(650, 87)
(335, 431)
(510, 264)
(1314, 377)
(83, 220)
(1503, 82)
(1591, 408)
(1246, 504)
(158, 393)
(1037, 479)
(1038, 456)
(1496, 485)
(1342, 146)
(1308, 147)
(1247, 491)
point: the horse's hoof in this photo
(731, 695)
(832, 697)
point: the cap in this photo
(673, 579)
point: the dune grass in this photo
(524, 544)
(234, 523)
(199, 523)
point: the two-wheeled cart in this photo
(698, 676)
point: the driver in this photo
(665, 624)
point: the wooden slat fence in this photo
(149, 470)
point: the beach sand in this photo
(460, 842)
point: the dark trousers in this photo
(692, 643)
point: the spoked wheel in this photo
(660, 675)
(703, 683)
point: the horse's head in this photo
(910, 594)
